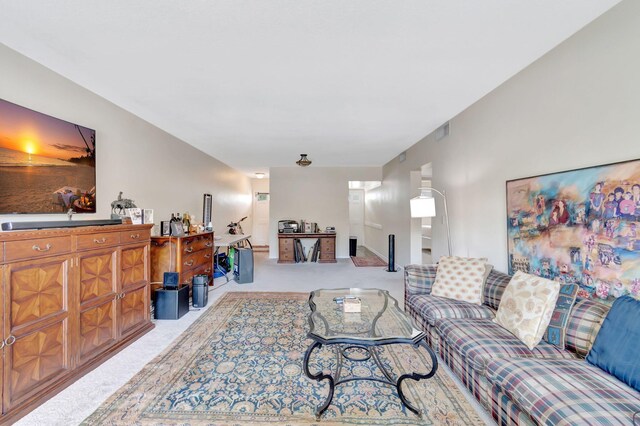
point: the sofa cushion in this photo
(418, 279)
(461, 278)
(494, 288)
(433, 308)
(556, 331)
(617, 345)
(564, 392)
(526, 307)
(583, 326)
(479, 341)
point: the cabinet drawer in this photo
(103, 239)
(35, 248)
(1, 252)
(135, 236)
(192, 260)
(196, 243)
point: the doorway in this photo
(421, 227)
(357, 214)
(260, 234)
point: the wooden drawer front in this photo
(29, 249)
(97, 329)
(286, 256)
(135, 236)
(93, 241)
(196, 243)
(327, 245)
(35, 360)
(97, 276)
(1, 252)
(133, 266)
(37, 291)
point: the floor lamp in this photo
(425, 206)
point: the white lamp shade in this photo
(423, 207)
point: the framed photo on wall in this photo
(579, 226)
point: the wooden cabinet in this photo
(327, 251)
(71, 298)
(188, 256)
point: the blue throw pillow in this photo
(617, 344)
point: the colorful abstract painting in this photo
(579, 226)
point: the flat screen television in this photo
(47, 165)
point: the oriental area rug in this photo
(241, 363)
(368, 261)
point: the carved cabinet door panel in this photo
(36, 326)
(134, 265)
(98, 294)
(134, 310)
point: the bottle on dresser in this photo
(186, 222)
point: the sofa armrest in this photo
(418, 279)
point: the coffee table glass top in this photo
(380, 319)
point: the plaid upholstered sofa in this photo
(518, 386)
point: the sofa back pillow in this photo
(556, 331)
(526, 307)
(584, 323)
(494, 288)
(617, 344)
(461, 278)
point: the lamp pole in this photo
(446, 213)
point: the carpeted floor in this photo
(241, 363)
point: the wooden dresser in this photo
(327, 252)
(72, 298)
(188, 256)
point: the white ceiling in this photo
(256, 82)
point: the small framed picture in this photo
(136, 215)
(147, 216)
(165, 229)
(176, 229)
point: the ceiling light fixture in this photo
(303, 161)
(259, 175)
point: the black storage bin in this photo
(200, 291)
(353, 246)
(243, 266)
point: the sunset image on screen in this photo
(47, 165)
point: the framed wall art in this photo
(579, 226)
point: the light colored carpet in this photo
(83, 397)
(241, 362)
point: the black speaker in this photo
(206, 211)
(171, 304)
(200, 291)
(392, 253)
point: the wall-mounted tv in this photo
(47, 165)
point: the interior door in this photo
(260, 234)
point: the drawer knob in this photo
(189, 263)
(207, 256)
(207, 270)
(208, 244)
(188, 249)
(38, 248)
(10, 340)
(100, 241)
(135, 236)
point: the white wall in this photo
(577, 106)
(259, 229)
(150, 166)
(315, 194)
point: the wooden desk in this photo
(327, 246)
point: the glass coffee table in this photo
(380, 322)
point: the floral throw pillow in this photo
(461, 278)
(526, 307)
